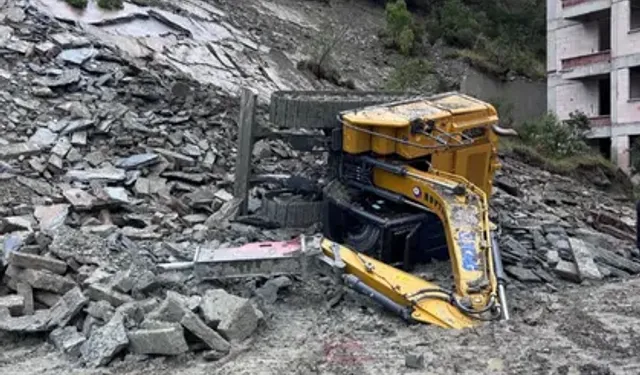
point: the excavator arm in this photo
(478, 276)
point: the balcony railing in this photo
(593, 58)
(600, 121)
(569, 3)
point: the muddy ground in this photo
(582, 330)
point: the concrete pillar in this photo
(620, 153)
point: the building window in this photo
(635, 14)
(604, 97)
(634, 83)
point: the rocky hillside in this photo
(117, 151)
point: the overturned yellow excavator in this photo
(413, 182)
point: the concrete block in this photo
(14, 302)
(67, 307)
(37, 262)
(67, 340)
(167, 339)
(99, 292)
(234, 317)
(105, 343)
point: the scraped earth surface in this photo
(134, 115)
(585, 330)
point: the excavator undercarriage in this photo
(412, 184)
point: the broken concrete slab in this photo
(101, 310)
(105, 343)
(67, 307)
(43, 138)
(46, 280)
(568, 271)
(175, 157)
(99, 292)
(15, 303)
(14, 150)
(191, 322)
(172, 310)
(37, 262)
(167, 339)
(105, 174)
(80, 199)
(26, 292)
(234, 317)
(51, 217)
(138, 161)
(38, 322)
(67, 340)
(584, 260)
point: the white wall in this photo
(576, 40)
(577, 96)
(627, 112)
(623, 42)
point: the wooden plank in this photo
(246, 123)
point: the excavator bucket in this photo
(415, 299)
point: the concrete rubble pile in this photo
(95, 315)
(129, 148)
(554, 228)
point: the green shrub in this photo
(401, 28)
(414, 74)
(110, 4)
(554, 138)
(80, 4)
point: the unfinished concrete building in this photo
(593, 66)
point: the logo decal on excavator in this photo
(467, 243)
(417, 192)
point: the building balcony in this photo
(593, 64)
(600, 121)
(576, 9)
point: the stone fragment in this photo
(77, 56)
(67, 77)
(51, 217)
(116, 194)
(138, 161)
(123, 281)
(191, 322)
(62, 147)
(105, 343)
(67, 307)
(552, 258)
(99, 292)
(567, 271)
(46, 280)
(37, 262)
(14, 150)
(269, 291)
(611, 259)
(171, 310)
(223, 195)
(46, 48)
(14, 302)
(234, 317)
(522, 274)
(101, 310)
(79, 138)
(26, 292)
(43, 138)
(15, 223)
(175, 157)
(80, 199)
(167, 340)
(38, 322)
(67, 340)
(414, 361)
(584, 260)
(77, 126)
(137, 310)
(69, 40)
(105, 174)
(46, 298)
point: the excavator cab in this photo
(414, 178)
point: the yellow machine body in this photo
(453, 134)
